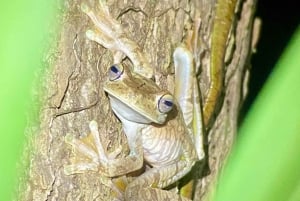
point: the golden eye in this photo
(165, 103)
(115, 72)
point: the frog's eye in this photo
(165, 103)
(115, 71)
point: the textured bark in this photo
(73, 94)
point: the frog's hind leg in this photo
(149, 186)
(187, 93)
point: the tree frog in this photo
(162, 141)
(163, 130)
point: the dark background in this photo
(279, 21)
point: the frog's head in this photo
(136, 98)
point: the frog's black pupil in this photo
(114, 69)
(168, 103)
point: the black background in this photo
(279, 21)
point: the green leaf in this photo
(265, 163)
(24, 25)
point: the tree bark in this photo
(73, 95)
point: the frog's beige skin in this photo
(168, 148)
(108, 33)
(165, 143)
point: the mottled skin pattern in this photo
(167, 145)
(167, 148)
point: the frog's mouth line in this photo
(131, 113)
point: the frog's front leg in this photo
(81, 148)
(93, 157)
(149, 185)
(109, 33)
(98, 159)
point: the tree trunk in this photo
(73, 94)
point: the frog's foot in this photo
(89, 152)
(106, 31)
(109, 33)
(81, 151)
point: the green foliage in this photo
(265, 165)
(22, 38)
